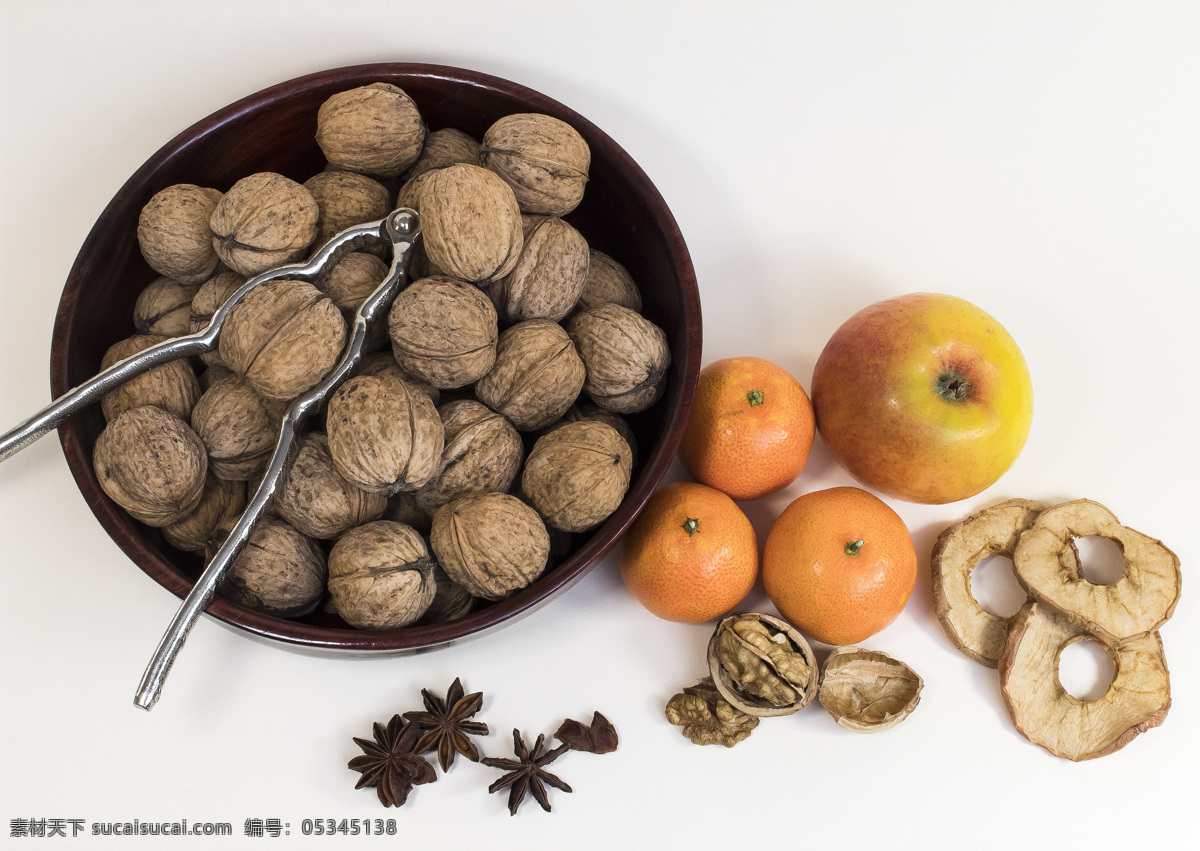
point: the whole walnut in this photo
(402, 508)
(171, 386)
(212, 375)
(220, 501)
(410, 194)
(280, 572)
(174, 233)
(381, 363)
(577, 475)
(373, 129)
(381, 576)
(163, 308)
(483, 453)
(608, 282)
(544, 160)
(283, 337)
(239, 428)
(548, 277)
(592, 411)
(491, 544)
(470, 223)
(151, 464)
(345, 198)
(537, 375)
(351, 280)
(208, 300)
(451, 601)
(384, 434)
(626, 357)
(315, 499)
(443, 148)
(443, 332)
(263, 221)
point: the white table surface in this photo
(1037, 159)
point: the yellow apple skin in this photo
(923, 397)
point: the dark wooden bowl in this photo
(621, 214)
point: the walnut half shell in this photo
(866, 691)
(762, 665)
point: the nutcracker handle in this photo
(402, 228)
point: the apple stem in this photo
(691, 525)
(755, 397)
(952, 386)
(853, 547)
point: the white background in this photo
(1038, 159)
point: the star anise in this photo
(446, 725)
(527, 773)
(390, 764)
(599, 737)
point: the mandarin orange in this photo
(691, 555)
(750, 430)
(839, 564)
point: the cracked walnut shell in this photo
(537, 375)
(317, 500)
(171, 386)
(626, 357)
(543, 159)
(491, 544)
(443, 332)
(866, 691)
(381, 576)
(263, 221)
(174, 233)
(151, 464)
(384, 434)
(577, 475)
(374, 129)
(762, 664)
(283, 337)
(470, 223)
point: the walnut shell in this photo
(491, 544)
(470, 223)
(451, 602)
(762, 664)
(543, 159)
(577, 475)
(374, 129)
(626, 357)
(381, 576)
(151, 464)
(280, 572)
(445, 148)
(283, 337)
(537, 375)
(384, 363)
(239, 428)
(263, 221)
(351, 280)
(444, 332)
(608, 282)
(384, 434)
(171, 386)
(220, 501)
(549, 275)
(174, 233)
(345, 198)
(483, 453)
(317, 500)
(866, 691)
(163, 308)
(208, 300)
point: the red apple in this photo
(923, 397)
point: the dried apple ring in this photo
(1134, 606)
(1048, 715)
(993, 531)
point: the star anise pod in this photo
(527, 773)
(390, 764)
(600, 737)
(446, 725)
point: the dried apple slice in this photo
(1048, 715)
(1134, 606)
(993, 531)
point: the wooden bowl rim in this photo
(347, 641)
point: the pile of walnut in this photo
(1063, 607)
(404, 510)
